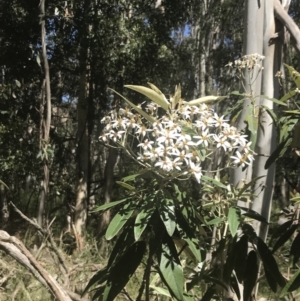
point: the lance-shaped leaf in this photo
(284, 238)
(98, 278)
(230, 260)
(142, 220)
(161, 291)
(233, 220)
(214, 182)
(122, 271)
(109, 205)
(118, 222)
(156, 97)
(167, 215)
(280, 149)
(205, 99)
(269, 262)
(251, 273)
(280, 230)
(295, 250)
(123, 243)
(288, 95)
(240, 250)
(235, 286)
(248, 185)
(252, 122)
(271, 281)
(253, 214)
(176, 97)
(292, 284)
(279, 102)
(139, 110)
(209, 294)
(171, 268)
(125, 185)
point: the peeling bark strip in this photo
(288, 22)
(12, 246)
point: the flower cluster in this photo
(248, 61)
(175, 144)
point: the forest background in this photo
(60, 61)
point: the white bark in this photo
(253, 43)
(288, 22)
(266, 135)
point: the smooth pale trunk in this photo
(266, 135)
(253, 43)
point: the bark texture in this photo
(45, 118)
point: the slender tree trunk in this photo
(3, 206)
(83, 141)
(82, 152)
(45, 119)
(253, 43)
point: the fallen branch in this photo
(46, 234)
(14, 247)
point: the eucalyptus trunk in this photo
(45, 115)
(83, 139)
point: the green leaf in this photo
(139, 110)
(253, 214)
(269, 262)
(156, 97)
(125, 185)
(205, 99)
(252, 122)
(271, 281)
(272, 114)
(171, 269)
(251, 273)
(248, 185)
(235, 286)
(161, 291)
(276, 154)
(295, 250)
(214, 182)
(216, 221)
(98, 278)
(118, 222)
(288, 95)
(240, 250)
(297, 112)
(194, 248)
(123, 243)
(292, 284)
(209, 294)
(280, 230)
(142, 220)
(230, 260)
(109, 205)
(132, 177)
(279, 102)
(167, 215)
(122, 271)
(284, 237)
(233, 220)
(238, 93)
